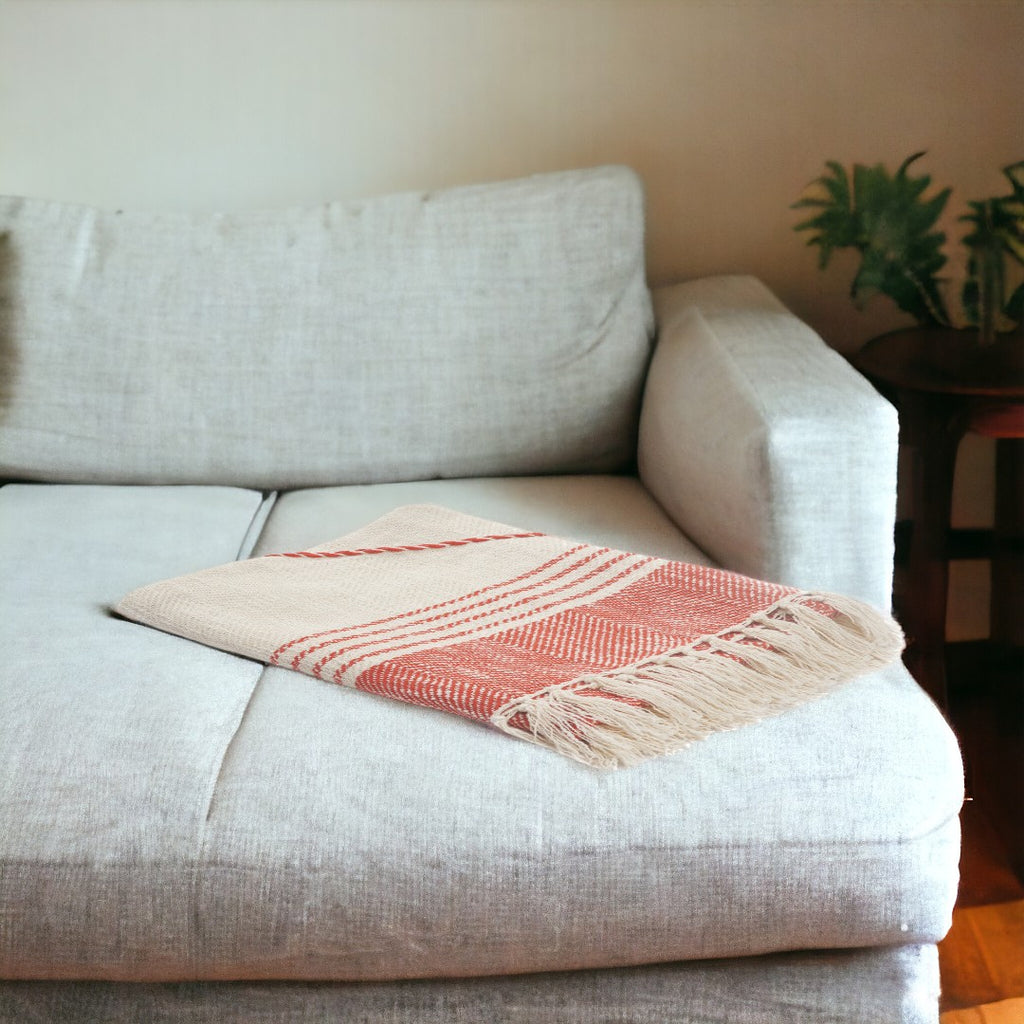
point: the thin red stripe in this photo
(427, 546)
(434, 625)
(461, 611)
(368, 626)
(511, 618)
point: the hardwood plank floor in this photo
(982, 959)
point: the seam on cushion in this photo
(896, 842)
(759, 460)
(751, 391)
(930, 833)
(195, 939)
(254, 530)
(740, 374)
(211, 798)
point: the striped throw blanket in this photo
(605, 656)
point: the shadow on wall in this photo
(8, 354)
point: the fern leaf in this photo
(888, 220)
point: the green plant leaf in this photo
(835, 225)
(995, 246)
(888, 220)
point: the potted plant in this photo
(890, 221)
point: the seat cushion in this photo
(349, 837)
(111, 738)
(501, 328)
(612, 510)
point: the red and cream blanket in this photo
(605, 656)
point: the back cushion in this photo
(493, 329)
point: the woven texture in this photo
(414, 336)
(171, 812)
(789, 472)
(894, 985)
(605, 656)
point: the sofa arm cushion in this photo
(765, 446)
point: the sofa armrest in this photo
(765, 446)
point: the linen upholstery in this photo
(329, 834)
(899, 985)
(482, 330)
(765, 446)
(238, 844)
(111, 740)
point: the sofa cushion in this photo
(615, 511)
(111, 739)
(898, 985)
(351, 837)
(482, 330)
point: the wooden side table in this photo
(943, 385)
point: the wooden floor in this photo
(982, 958)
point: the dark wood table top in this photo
(946, 361)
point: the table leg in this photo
(936, 428)
(1008, 555)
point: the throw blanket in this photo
(604, 656)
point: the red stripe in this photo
(666, 610)
(504, 595)
(413, 615)
(431, 546)
(511, 618)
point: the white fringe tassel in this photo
(687, 694)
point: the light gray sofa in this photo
(188, 836)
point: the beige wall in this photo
(726, 108)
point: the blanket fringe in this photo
(802, 647)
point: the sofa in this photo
(192, 836)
